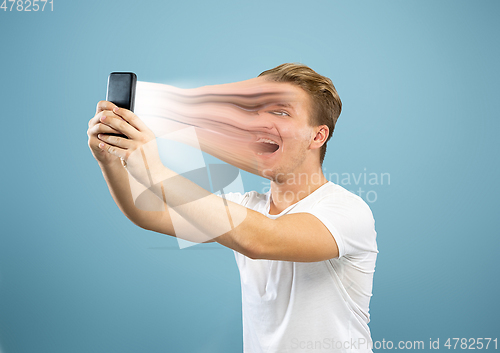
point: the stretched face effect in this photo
(257, 125)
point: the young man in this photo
(306, 250)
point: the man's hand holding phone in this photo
(138, 149)
(104, 108)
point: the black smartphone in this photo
(121, 91)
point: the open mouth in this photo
(266, 146)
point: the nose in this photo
(266, 121)
(261, 126)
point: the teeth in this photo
(267, 141)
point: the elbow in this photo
(254, 250)
(137, 223)
(254, 255)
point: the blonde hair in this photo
(326, 103)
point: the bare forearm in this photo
(216, 218)
(146, 206)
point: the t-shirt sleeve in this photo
(350, 221)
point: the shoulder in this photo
(336, 197)
(347, 216)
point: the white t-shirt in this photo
(312, 306)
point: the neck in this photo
(293, 187)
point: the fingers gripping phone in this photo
(121, 91)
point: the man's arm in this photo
(295, 237)
(299, 237)
(141, 211)
(117, 179)
(148, 211)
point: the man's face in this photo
(282, 146)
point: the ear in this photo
(321, 136)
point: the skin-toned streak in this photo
(234, 126)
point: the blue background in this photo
(419, 81)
